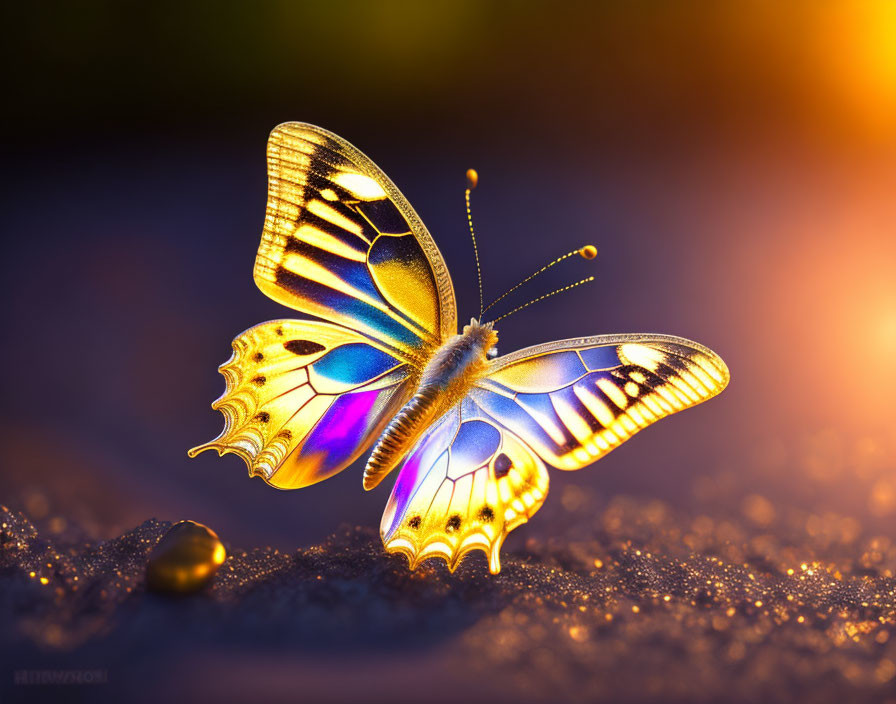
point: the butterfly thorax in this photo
(450, 373)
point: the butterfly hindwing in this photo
(479, 472)
(341, 243)
(304, 399)
(573, 401)
(464, 486)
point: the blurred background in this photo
(733, 163)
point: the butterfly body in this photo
(448, 376)
(377, 362)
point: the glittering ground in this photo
(636, 604)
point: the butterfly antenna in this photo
(472, 180)
(589, 251)
(547, 295)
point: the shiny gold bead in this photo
(185, 559)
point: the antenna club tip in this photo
(472, 178)
(589, 251)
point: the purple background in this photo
(733, 166)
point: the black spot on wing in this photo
(486, 514)
(453, 523)
(303, 347)
(503, 465)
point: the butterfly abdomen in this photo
(400, 435)
(450, 373)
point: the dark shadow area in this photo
(640, 602)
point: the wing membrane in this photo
(573, 401)
(304, 399)
(466, 484)
(341, 243)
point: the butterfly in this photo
(378, 362)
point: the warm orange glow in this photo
(887, 330)
(219, 555)
(856, 43)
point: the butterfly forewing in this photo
(341, 243)
(575, 400)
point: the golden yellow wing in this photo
(304, 399)
(467, 483)
(341, 243)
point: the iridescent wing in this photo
(304, 399)
(341, 243)
(466, 484)
(480, 471)
(573, 401)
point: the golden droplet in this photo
(589, 251)
(472, 178)
(185, 559)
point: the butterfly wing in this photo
(341, 243)
(573, 401)
(304, 399)
(464, 486)
(479, 472)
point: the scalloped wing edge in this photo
(518, 503)
(436, 548)
(239, 405)
(235, 410)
